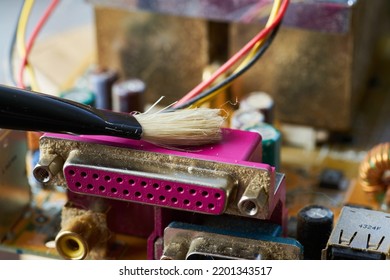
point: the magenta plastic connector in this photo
(118, 185)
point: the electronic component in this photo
(332, 179)
(128, 96)
(314, 225)
(374, 172)
(241, 119)
(101, 82)
(261, 102)
(271, 143)
(359, 234)
(215, 179)
(206, 192)
(83, 234)
(193, 242)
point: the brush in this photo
(30, 111)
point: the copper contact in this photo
(372, 171)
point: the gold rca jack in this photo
(84, 234)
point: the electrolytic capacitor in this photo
(271, 143)
(245, 118)
(314, 227)
(101, 82)
(128, 96)
(261, 102)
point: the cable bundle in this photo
(256, 48)
(23, 49)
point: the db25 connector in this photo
(224, 178)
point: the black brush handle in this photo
(25, 110)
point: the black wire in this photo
(234, 76)
(12, 48)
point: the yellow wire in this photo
(273, 14)
(20, 40)
(274, 11)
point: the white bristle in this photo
(187, 127)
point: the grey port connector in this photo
(47, 167)
(253, 200)
(359, 234)
(181, 243)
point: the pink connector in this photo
(142, 188)
(209, 179)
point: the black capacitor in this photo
(314, 227)
(101, 81)
(128, 96)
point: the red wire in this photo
(31, 41)
(233, 60)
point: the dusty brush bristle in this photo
(187, 127)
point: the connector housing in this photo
(190, 242)
(210, 179)
(359, 234)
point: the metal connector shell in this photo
(48, 167)
(359, 234)
(188, 243)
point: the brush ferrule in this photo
(122, 125)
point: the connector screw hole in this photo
(249, 208)
(42, 174)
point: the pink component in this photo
(119, 185)
(236, 146)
